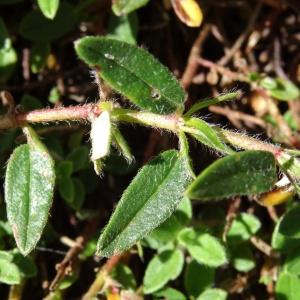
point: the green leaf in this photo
(124, 275)
(38, 56)
(8, 55)
(213, 294)
(134, 73)
(29, 103)
(64, 169)
(169, 229)
(282, 242)
(207, 102)
(242, 257)
(280, 88)
(9, 272)
(149, 200)
(123, 7)
(243, 227)
(244, 173)
(48, 7)
(197, 278)
(162, 268)
(123, 28)
(35, 27)
(205, 134)
(203, 247)
(14, 267)
(292, 262)
(66, 190)
(29, 185)
(79, 157)
(79, 194)
(122, 144)
(169, 293)
(290, 224)
(287, 287)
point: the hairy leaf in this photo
(205, 134)
(134, 73)
(149, 200)
(163, 267)
(29, 185)
(244, 173)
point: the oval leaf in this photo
(35, 27)
(243, 227)
(290, 225)
(123, 7)
(29, 184)
(149, 200)
(215, 294)
(162, 268)
(245, 173)
(48, 7)
(203, 247)
(287, 287)
(134, 73)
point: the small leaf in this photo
(134, 73)
(287, 287)
(205, 134)
(29, 185)
(79, 156)
(48, 7)
(123, 28)
(188, 11)
(280, 88)
(197, 278)
(215, 294)
(162, 268)
(123, 7)
(124, 275)
(66, 189)
(8, 55)
(282, 242)
(149, 200)
(9, 272)
(242, 228)
(35, 27)
(122, 144)
(290, 225)
(203, 247)
(244, 173)
(242, 257)
(169, 229)
(38, 56)
(292, 264)
(169, 293)
(64, 169)
(207, 102)
(29, 103)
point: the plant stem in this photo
(171, 122)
